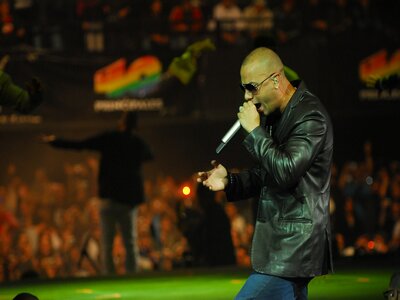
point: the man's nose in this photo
(248, 96)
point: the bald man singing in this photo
(289, 133)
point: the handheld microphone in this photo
(226, 138)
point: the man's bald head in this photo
(262, 60)
(257, 68)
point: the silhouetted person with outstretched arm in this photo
(120, 183)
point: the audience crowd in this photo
(365, 206)
(49, 228)
(100, 25)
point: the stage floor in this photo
(352, 280)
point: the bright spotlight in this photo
(186, 190)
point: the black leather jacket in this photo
(292, 180)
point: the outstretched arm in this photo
(92, 143)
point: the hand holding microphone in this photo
(248, 118)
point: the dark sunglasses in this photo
(253, 87)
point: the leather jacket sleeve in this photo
(245, 185)
(289, 161)
(284, 159)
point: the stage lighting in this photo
(186, 190)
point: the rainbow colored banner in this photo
(115, 80)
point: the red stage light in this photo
(371, 245)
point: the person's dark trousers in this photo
(113, 214)
(262, 286)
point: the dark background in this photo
(185, 142)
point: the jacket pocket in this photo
(266, 210)
(295, 220)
